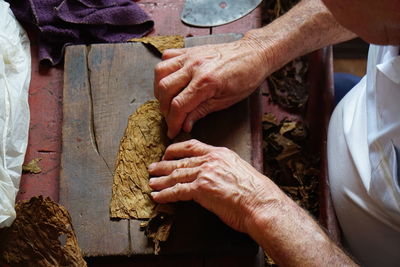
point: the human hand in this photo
(216, 178)
(193, 82)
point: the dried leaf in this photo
(144, 142)
(299, 132)
(270, 118)
(41, 235)
(268, 260)
(288, 86)
(32, 166)
(162, 43)
(289, 148)
(287, 127)
(289, 165)
(159, 225)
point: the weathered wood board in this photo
(103, 85)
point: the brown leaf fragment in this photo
(143, 143)
(159, 225)
(288, 147)
(268, 260)
(41, 235)
(32, 166)
(287, 127)
(270, 118)
(162, 43)
(288, 86)
(299, 132)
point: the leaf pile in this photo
(288, 89)
(41, 235)
(288, 163)
(288, 86)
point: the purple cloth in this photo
(69, 22)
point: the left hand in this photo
(193, 82)
(216, 178)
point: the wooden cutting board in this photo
(103, 85)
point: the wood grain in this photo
(85, 178)
(103, 85)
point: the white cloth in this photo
(15, 74)
(363, 159)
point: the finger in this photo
(165, 68)
(170, 53)
(185, 102)
(185, 175)
(179, 192)
(201, 111)
(170, 86)
(191, 148)
(166, 167)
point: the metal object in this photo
(210, 13)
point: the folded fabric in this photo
(66, 22)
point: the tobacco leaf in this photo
(288, 147)
(270, 118)
(158, 227)
(41, 235)
(299, 133)
(288, 86)
(162, 43)
(32, 166)
(289, 163)
(287, 127)
(143, 143)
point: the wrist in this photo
(267, 49)
(264, 208)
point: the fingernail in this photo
(153, 194)
(190, 126)
(169, 133)
(151, 167)
(151, 181)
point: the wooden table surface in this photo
(45, 95)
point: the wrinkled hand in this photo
(193, 82)
(216, 178)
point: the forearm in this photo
(306, 27)
(289, 235)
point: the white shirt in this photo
(363, 159)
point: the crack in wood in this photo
(47, 151)
(92, 126)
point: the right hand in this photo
(216, 178)
(193, 82)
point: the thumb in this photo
(201, 111)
